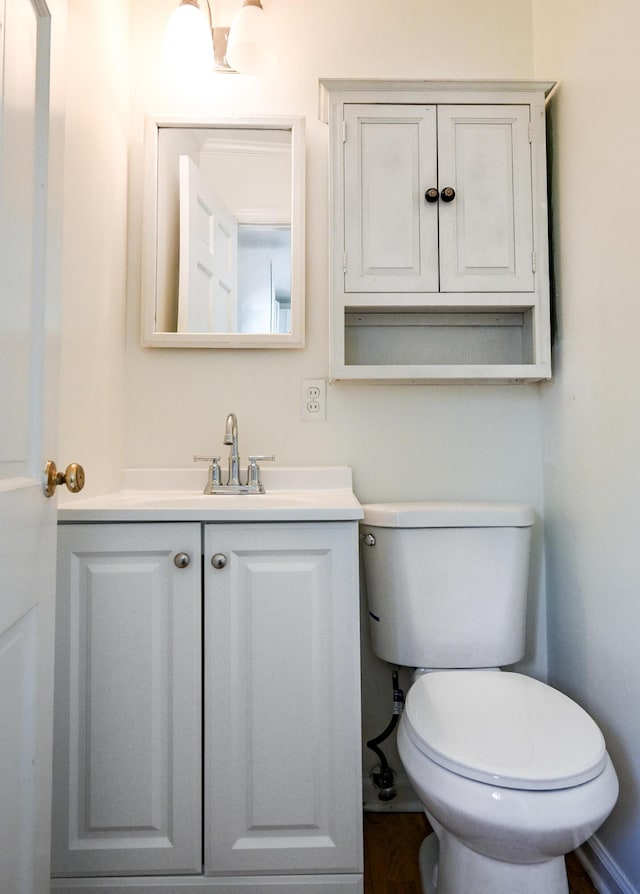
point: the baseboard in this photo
(292, 884)
(603, 872)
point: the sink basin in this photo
(292, 494)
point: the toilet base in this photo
(429, 853)
(447, 866)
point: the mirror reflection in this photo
(228, 234)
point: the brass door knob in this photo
(73, 477)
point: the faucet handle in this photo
(214, 460)
(214, 470)
(253, 469)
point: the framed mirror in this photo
(223, 233)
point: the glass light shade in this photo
(188, 44)
(249, 50)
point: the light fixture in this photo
(187, 40)
(192, 42)
(249, 50)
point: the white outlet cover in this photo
(313, 400)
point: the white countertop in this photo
(293, 493)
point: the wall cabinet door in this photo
(486, 231)
(127, 752)
(282, 714)
(391, 231)
(396, 240)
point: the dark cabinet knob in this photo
(431, 195)
(448, 194)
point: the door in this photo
(127, 745)
(208, 279)
(31, 69)
(486, 229)
(391, 231)
(282, 709)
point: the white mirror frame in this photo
(154, 339)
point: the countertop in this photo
(293, 493)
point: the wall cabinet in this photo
(439, 268)
(232, 684)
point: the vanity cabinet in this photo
(208, 711)
(439, 259)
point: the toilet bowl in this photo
(512, 775)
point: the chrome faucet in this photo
(233, 484)
(231, 438)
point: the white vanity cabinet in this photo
(439, 259)
(208, 712)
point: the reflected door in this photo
(208, 283)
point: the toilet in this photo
(512, 774)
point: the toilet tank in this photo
(447, 582)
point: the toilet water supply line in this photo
(382, 775)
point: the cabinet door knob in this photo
(448, 194)
(219, 560)
(181, 560)
(431, 195)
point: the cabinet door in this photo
(391, 231)
(486, 232)
(282, 712)
(127, 739)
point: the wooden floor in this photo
(391, 845)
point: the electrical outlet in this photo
(313, 400)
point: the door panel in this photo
(283, 782)
(18, 667)
(486, 232)
(127, 774)
(20, 122)
(391, 232)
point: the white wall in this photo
(177, 400)
(94, 241)
(403, 442)
(592, 408)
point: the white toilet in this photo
(512, 773)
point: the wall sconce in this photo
(192, 41)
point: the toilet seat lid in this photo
(504, 729)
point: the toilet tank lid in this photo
(448, 515)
